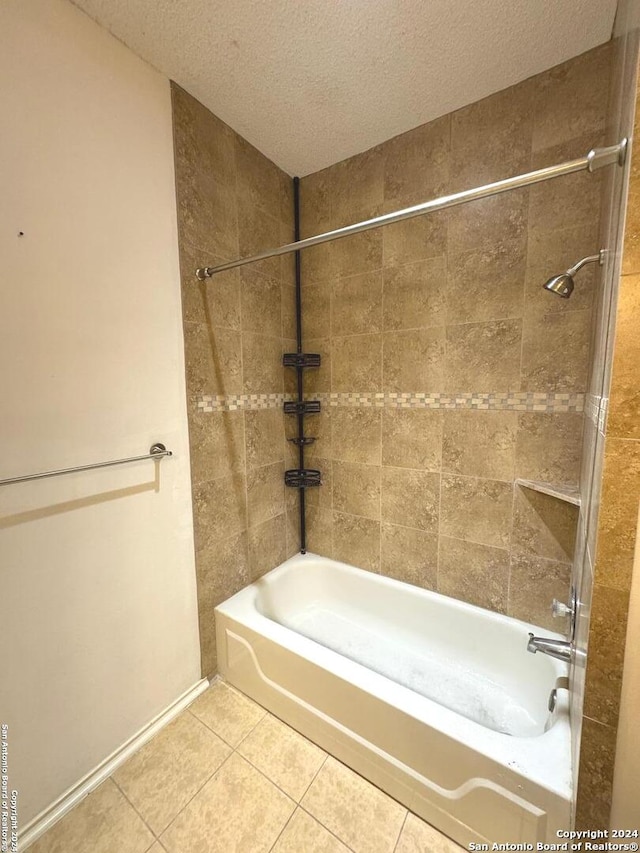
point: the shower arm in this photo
(597, 158)
(592, 259)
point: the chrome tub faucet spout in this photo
(560, 649)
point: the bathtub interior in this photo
(464, 658)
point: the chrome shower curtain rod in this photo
(595, 159)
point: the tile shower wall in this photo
(447, 371)
(233, 201)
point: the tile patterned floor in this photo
(227, 777)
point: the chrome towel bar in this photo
(156, 451)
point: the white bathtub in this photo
(435, 701)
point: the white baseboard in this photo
(72, 796)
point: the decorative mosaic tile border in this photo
(517, 401)
(525, 401)
(240, 402)
(595, 408)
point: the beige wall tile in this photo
(552, 252)
(548, 447)
(543, 526)
(292, 523)
(357, 187)
(410, 498)
(356, 304)
(258, 231)
(415, 239)
(580, 193)
(213, 303)
(318, 263)
(227, 712)
(414, 360)
(582, 82)
(213, 360)
(316, 310)
(418, 837)
(207, 212)
(222, 569)
(409, 555)
(607, 637)
(356, 489)
(267, 546)
(316, 193)
(261, 364)
(618, 513)
(264, 436)
(414, 294)
(492, 221)
(484, 357)
(555, 351)
(491, 139)
(597, 756)
(103, 821)
(318, 426)
(358, 254)
(356, 363)
(258, 182)
(533, 585)
(356, 541)
(219, 509)
(201, 139)
(318, 381)
(354, 810)
(416, 163)
(323, 495)
(631, 253)
(216, 440)
(476, 510)
(286, 758)
(238, 809)
(412, 438)
(288, 301)
(305, 833)
(265, 493)
(208, 646)
(480, 444)
(475, 573)
(320, 531)
(624, 407)
(161, 778)
(486, 283)
(261, 303)
(289, 374)
(356, 435)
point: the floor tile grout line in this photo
(324, 826)
(263, 774)
(155, 837)
(404, 822)
(209, 778)
(368, 782)
(287, 822)
(315, 775)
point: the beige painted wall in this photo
(99, 620)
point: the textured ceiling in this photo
(310, 82)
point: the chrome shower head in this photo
(563, 284)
